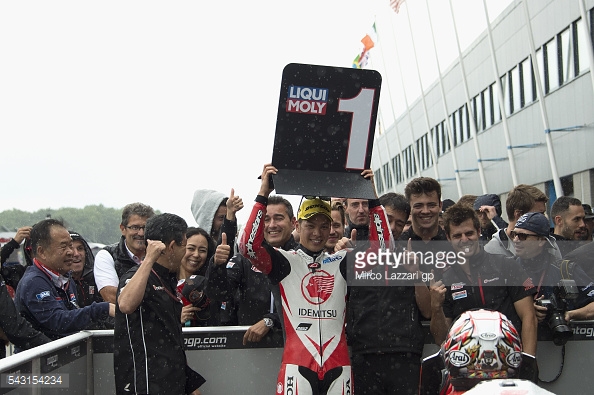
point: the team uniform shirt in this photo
(312, 288)
(492, 286)
(149, 356)
(48, 301)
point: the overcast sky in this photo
(114, 102)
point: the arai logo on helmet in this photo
(459, 359)
(514, 359)
(487, 336)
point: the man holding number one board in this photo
(323, 144)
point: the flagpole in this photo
(379, 155)
(427, 123)
(473, 118)
(510, 154)
(589, 44)
(399, 146)
(412, 135)
(445, 106)
(541, 103)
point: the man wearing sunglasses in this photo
(313, 288)
(531, 238)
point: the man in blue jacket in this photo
(46, 295)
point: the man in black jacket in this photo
(14, 327)
(384, 325)
(239, 278)
(149, 354)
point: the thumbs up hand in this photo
(234, 204)
(346, 242)
(221, 255)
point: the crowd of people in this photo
(286, 274)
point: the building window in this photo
(505, 87)
(567, 65)
(465, 121)
(445, 139)
(435, 140)
(541, 70)
(528, 88)
(452, 125)
(479, 115)
(409, 161)
(496, 114)
(396, 165)
(582, 41)
(387, 176)
(551, 61)
(516, 87)
(380, 184)
(424, 152)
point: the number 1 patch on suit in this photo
(324, 130)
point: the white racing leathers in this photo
(312, 288)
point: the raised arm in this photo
(132, 293)
(252, 237)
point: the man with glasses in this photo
(530, 237)
(46, 295)
(116, 259)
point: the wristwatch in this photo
(268, 322)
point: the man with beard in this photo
(480, 280)
(568, 215)
(589, 222)
(116, 259)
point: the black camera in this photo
(556, 308)
(193, 291)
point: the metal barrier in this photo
(85, 363)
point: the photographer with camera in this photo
(557, 294)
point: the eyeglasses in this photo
(521, 236)
(136, 228)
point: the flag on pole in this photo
(395, 4)
(368, 42)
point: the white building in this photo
(519, 150)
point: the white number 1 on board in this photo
(360, 106)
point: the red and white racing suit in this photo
(313, 291)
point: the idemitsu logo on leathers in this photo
(306, 100)
(317, 288)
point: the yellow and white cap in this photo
(311, 206)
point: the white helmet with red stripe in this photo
(481, 345)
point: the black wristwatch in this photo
(268, 322)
